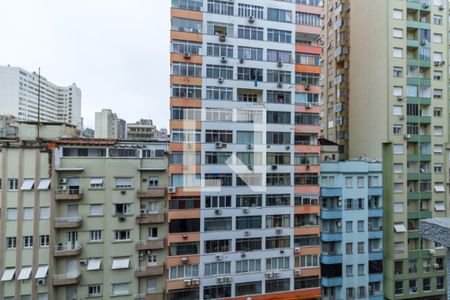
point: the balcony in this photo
(376, 234)
(419, 119)
(70, 194)
(420, 214)
(419, 195)
(331, 192)
(154, 296)
(152, 193)
(378, 277)
(331, 258)
(147, 271)
(150, 245)
(375, 212)
(149, 218)
(67, 250)
(419, 176)
(331, 214)
(66, 279)
(68, 222)
(330, 282)
(375, 191)
(331, 236)
(375, 254)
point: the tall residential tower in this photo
(385, 82)
(243, 202)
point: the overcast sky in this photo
(116, 51)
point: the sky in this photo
(116, 51)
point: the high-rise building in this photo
(19, 98)
(109, 126)
(141, 130)
(83, 218)
(352, 230)
(243, 202)
(385, 97)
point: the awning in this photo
(44, 184)
(94, 264)
(27, 184)
(41, 272)
(439, 206)
(399, 228)
(24, 273)
(8, 274)
(120, 263)
(96, 180)
(439, 188)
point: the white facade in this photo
(109, 126)
(19, 97)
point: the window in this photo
(94, 290)
(348, 182)
(248, 222)
(217, 201)
(349, 248)
(215, 71)
(349, 270)
(397, 14)
(186, 46)
(398, 52)
(122, 235)
(248, 244)
(437, 38)
(397, 91)
(308, 19)
(186, 91)
(95, 235)
(437, 20)
(12, 214)
(44, 240)
(278, 200)
(214, 224)
(360, 181)
(360, 247)
(397, 33)
(249, 32)
(278, 242)
(279, 36)
(11, 242)
(278, 117)
(224, 136)
(217, 268)
(398, 72)
(274, 221)
(96, 210)
(360, 226)
(350, 293)
(361, 270)
(398, 287)
(279, 56)
(309, 261)
(278, 138)
(28, 241)
(219, 115)
(437, 112)
(121, 289)
(188, 4)
(123, 209)
(28, 213)
(186, 25)
(399, 227)
(249, 53)
(221, 7)
(398, 148)
(438, 130)
(245, 10)
(184, 225)
(183, 271)
(248, 265)
(349, 226)
(153, 182)
(277, 263)
(248, 288)
(219, 93)
(124, 182)
(248, 200)
(278, 285)
(397, 110)
(13, 184)
(307, 59)
(186, 69)
(279, 15)
(217, 291)
(215, 246)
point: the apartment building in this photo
(19, 97)
(352, 230)
(109, 126)
(141, 130)
(83, 219)
(394, 82)
(243, 200)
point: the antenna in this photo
(39, 104)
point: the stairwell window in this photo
(397, 33)
(398, 53)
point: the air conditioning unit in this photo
(436, 266)
(220, 280)
(274, 167)
(187, 282)
(243, 254)
(297, 272)
(219, 144)
(307, 87)
(279, 231)
(431, 251)
(184, 260)
(222, 37)
(41, 281)
(251, 19)
(297, 249)
(83, 262)
(187, 55)
(441, 7)
(246, 210)
(62, 188)
(437, 63)
(219, 257)
(407, 136)
(122, 218)
(218, 212)
(143, 211)
(185, 236)
(249, 146)
(401, 117)
(280, 84)
(269, 275)
(171, 190)
(227, 279)
(247, 233)
(276, 274)
(308, 105)
(423, 42)
(62, 180)
(223, 60)
(400, 98)
(123, 192)
(241, 61)
(442, 62)
(250, 167)
(220, 80)
(280, 64)
(195, 281)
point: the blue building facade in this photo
(351, 230)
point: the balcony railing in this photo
(66, 279)
(68, 222)
(69, 194)
(67, 250)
